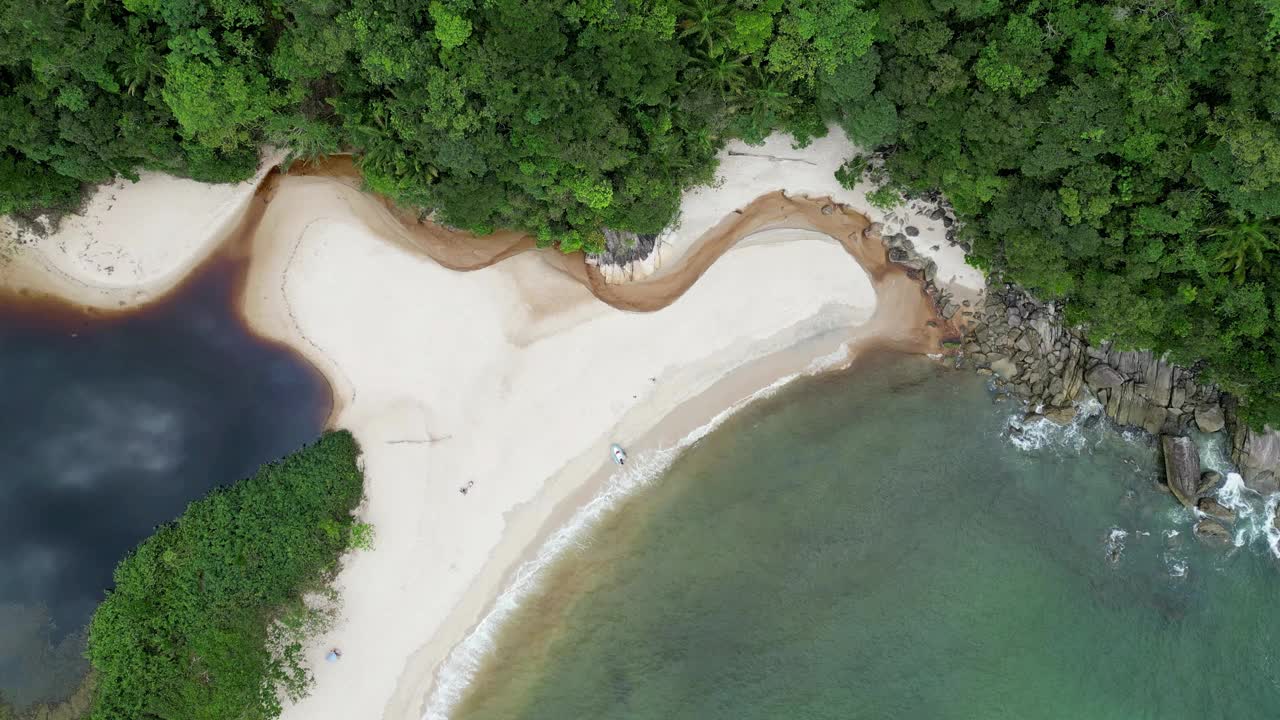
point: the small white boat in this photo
(619, 455)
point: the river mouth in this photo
(871, 544)
(113, 422)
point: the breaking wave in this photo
(1255, 513)
(642, 470)
(1040, 433)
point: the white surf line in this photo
(462, 664)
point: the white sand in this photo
(514, 378)
(132, 243)
(747, 171)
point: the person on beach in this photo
(334, 655)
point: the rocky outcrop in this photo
(902, 251)
(627, 256)
(1025, 342)
(1209, 418)
(1257, 455)
(1215, 510)
(1025, 346)
(1181, 468)
(1212, 531)
(1210, 482)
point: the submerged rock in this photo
(1212, 531)
(1209, 418)
(1004, 367)
(1214, 509)
(1181, 468)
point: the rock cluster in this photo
(901, 250)
(935, 208)
(1025, 343)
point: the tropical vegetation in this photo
(208, 615)
(1123, 157)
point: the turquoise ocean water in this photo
(874, 545)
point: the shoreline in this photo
(573, 516)
(278, 289)
(366, 298)
(120, 253)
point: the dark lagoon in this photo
(111, 424)
(876, 545)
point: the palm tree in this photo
(1245, 247)
(707, 21)
(723, 73)
(138, 64)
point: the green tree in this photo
(190, 630)
(1245, 247)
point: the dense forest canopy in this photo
(207, 616)
(1122, 156)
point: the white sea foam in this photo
(1214, 452)
(1043, 433)
(1255, 513)
(836, 358)
(1114, 546)
(1269, 520)
(457, 671)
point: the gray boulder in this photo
(1154, 418)
(1004, 367)
(1257, 454)
(1061, 415)
(1103, 376)
(1212, 531)
(1210, 481)
(1209, 418)
(1265, 482)
(1181, 468)
(1214, 509)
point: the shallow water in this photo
(872, 545)
(110, 426)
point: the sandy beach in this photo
(511, 380)
(131, 244)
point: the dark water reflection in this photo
(110, 426)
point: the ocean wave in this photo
(1255, 513)
(460, 667)
(1042, 433)
(1114, 547)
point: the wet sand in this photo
(512, 378)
